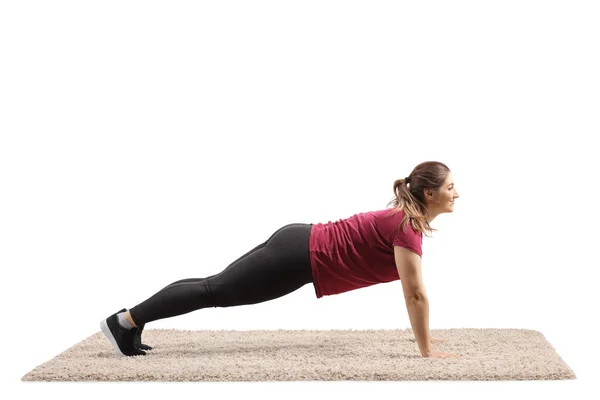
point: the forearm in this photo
(418, 312)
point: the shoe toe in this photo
(136, 352)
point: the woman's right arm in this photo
(408, 264)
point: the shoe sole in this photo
(110, 337)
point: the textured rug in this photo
(310, 355)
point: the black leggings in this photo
(272, 269)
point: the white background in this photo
(147, 142)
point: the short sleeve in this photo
(410, 239)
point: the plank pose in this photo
(335, 257)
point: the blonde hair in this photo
(411, 199)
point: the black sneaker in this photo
(138, 339)
(137, 342)
(121, 338)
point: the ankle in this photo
(127, 316)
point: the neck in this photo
(431, 214)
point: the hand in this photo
(433, 340)
(441, 354)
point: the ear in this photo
(429, 194)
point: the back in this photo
(358, 251)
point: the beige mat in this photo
(310, 355)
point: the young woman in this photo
(359, 251)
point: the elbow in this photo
(418, 295)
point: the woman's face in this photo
(448, 193)
(444, 198)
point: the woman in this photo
(336, 257)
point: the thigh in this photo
(260, 246)
(279, 267)
(278, 243)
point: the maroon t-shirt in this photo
(358, 251)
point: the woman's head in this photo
(430, 192)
